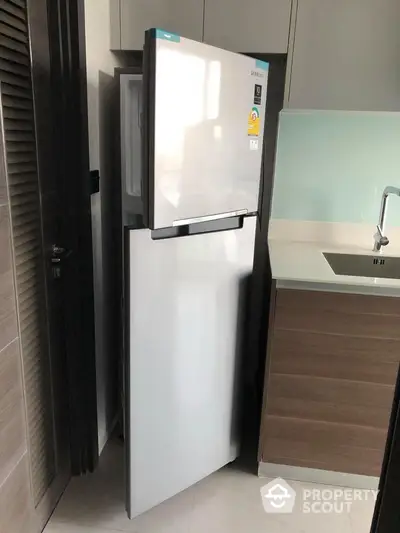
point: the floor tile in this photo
(228, 501)
(361, 516)
(68, 528)
(98, 501)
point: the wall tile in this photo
(333, 166)
(16, 515)
(12, 420)
(8, 319)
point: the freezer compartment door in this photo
(186, 307)
(205, 112)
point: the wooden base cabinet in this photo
(331, 369)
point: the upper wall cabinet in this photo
(346, 55)
(248, 25)
(131, 18)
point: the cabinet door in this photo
(332, 367)
(248, 25)
(346, 55)
(184, 17)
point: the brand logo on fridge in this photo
(257, 74)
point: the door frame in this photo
(387, 510)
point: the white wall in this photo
(100, 63)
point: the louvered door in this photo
(30, 246)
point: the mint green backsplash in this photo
(333, 166)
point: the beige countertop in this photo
(297, 261)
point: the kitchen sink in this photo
(368, 266)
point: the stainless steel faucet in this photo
(379, 238)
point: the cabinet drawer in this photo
(345, 414)
(324, 434)
(312, 454)
(340, 314)
(331, 391)
(335, 356)
(336, 301)
(322, 445)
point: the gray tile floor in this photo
(228, 501)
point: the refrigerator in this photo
(192, 130)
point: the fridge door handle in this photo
(209, 218)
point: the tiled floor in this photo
(227, 502)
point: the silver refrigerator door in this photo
(205, 132)
(184, 337)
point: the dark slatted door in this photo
(34, 226)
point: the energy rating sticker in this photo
(253, 127)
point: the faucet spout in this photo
(379, 238)
(391, 190)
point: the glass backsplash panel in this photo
(333, 166)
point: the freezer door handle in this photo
(209, 218)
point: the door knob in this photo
(58, 253)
